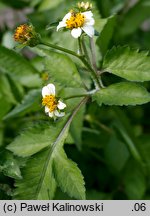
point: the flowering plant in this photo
(75, 89)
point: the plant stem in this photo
(93, 74)
(85, 50)
(60, 48)
(81, 95)
(93, 52)
(80, 46)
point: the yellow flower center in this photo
(76, 20)
(50, 101)
(23, 33)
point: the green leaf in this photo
(38, 182)
(62, 69)
(5, 89)
(134, 181)
(30, 102)
(76, 127)
(36, 138)
(21, 69)
(106, 33)
(124, 93)
(144, 148)
(46, 4)
(41, 135)
(128, 64)
(116, 161)
(124, 130)
(9, 165)
(39, 167)
(132, 20)
(6, 96)
(68, 176)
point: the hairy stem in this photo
(85, 50)
(93, 52)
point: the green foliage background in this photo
(106, 144)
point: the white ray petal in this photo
(89, 30)
(67, 16)
(45, 91)
(76, 32)
(90, 21)
(88, 14)
(61, 114)
(51, 114)
(61, 105)
(51, 88)
(46, 109)
(61, 25)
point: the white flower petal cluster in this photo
(52, 105)
(87, 27)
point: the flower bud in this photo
(26, 35)
(84, 6)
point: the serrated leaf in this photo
(36, 138)
(9, 165)
(41, 135)
(124, 93)
(39, 167)
(34, 185)
(62, 69)
(106, 33)
(128, 64)
(30, 102)
(6, 97)
(68, 175)
(5, 89)
(21, 69)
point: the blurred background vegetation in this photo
(106, 159)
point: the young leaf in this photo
(62, 69)
(21, 69)
(124, 93)
(30, 102)
(37, 183)
(106, 33)
(128, 64)
(68, 176)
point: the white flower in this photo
(78, 22)
(51, 103)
